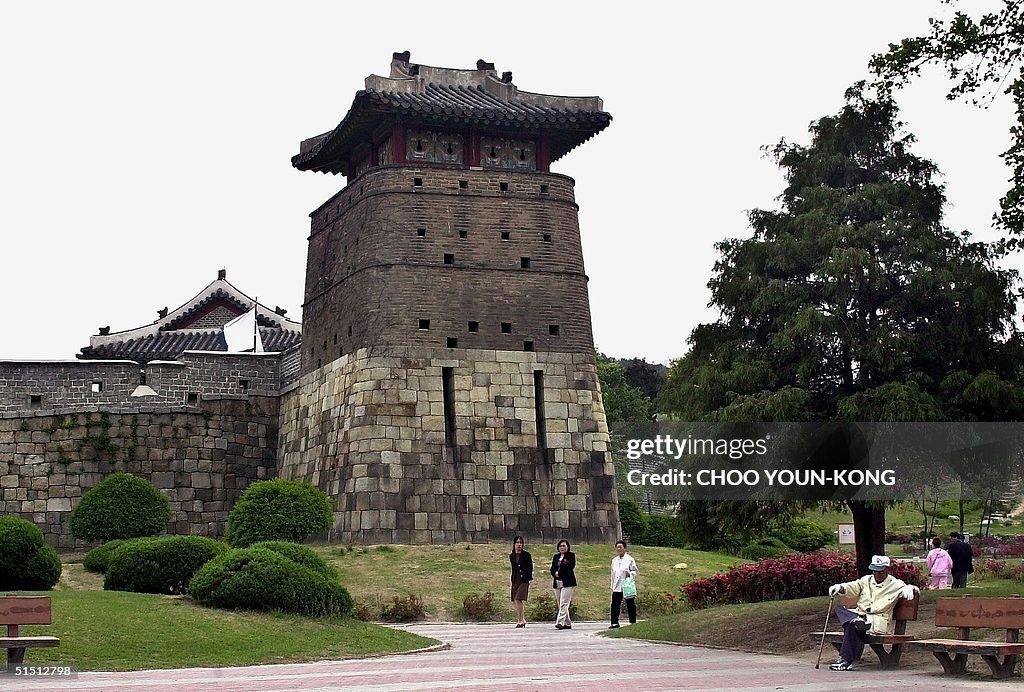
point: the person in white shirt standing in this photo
(624, 570)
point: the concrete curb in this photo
(440, 646)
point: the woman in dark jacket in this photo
(563, 566)
(522, 575)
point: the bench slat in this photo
(871, 638)
(995, 613)
(25, 610)
(27, 642)
(962, 646)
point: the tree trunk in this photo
(868, 531)
(961, 510)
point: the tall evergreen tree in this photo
(851, 301)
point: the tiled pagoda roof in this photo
(453, 97)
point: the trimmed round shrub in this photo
(278, 510)
(159, 565)
(97, 559)
(804, 535)
(304, 555)
(27, 563)
(261, 579)
(765, 547)
(120, 506)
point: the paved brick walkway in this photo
(498, 657)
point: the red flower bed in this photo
(908, 572)
(1012, 546)
(793, 576)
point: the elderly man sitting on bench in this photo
(876, 595)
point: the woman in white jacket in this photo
(623, 566)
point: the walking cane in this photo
(824, 631)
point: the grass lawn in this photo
(113, 630)
(782, 627)
(110, 630)
(443, 575)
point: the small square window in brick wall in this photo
(527, 345)
(421, 232)
(424, 324)
(243, 385)
(505, 235)
(452, 342)
(547, 237)
(463, 234)
(554, 329)
(449, 258)
(192, 399)
(503, 187)
(35, 401)
(97, 387)
(544, 189)
(524, 262)
(506, 327)
(474, 326)
(417, 182)
(463, 184)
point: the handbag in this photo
(628, 587)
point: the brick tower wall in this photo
(376, 264)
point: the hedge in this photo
(97, 559)
(159, 565)
(805, 536)
(296, 552)
(764, 547)
(261, 579)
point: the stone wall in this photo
(377, 271)
(42, 386)
(201, 458)
(369, 429)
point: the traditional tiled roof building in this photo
(198, 325)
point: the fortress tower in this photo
(449, 390)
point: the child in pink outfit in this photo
(940, 566)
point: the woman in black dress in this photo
(522, 575)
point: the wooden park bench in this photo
(23, 610)
(903, 612)
(969, 613)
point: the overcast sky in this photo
(144, 146)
